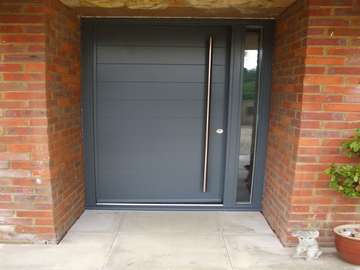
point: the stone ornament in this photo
(351, 232)
(308, 246)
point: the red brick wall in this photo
(288, 69)
(64, 115)
(32, 193)
(315, 106)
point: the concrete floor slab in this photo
(244, 223)
(77, 251)
(255, 250)
(98, 221)
(130, 240)
(171, 222)
(169, 251)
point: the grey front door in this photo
(150, 93)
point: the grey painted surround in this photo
(144, 109)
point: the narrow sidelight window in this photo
(248, 116)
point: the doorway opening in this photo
(175, 113)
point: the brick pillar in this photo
(315, 106)
(41, 182)
(64, 115)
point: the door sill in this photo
(162, 204)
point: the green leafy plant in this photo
(352, 147)
(346, 178)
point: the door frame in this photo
(232, 131)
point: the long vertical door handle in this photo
(207, 116)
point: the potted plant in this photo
(346, 180)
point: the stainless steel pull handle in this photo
(207, 117)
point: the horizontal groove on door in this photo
(156, 55)
(157, 73)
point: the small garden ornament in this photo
(308, 246)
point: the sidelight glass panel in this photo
(248, 116)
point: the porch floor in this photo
(109, 240)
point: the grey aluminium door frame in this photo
(238, 28)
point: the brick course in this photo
(315, 106)
(41, 180)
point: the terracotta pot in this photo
(348, 247)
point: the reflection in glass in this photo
(248, 116)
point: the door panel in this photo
(150, 110)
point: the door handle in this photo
(207, 115)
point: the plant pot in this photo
(348, 246)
